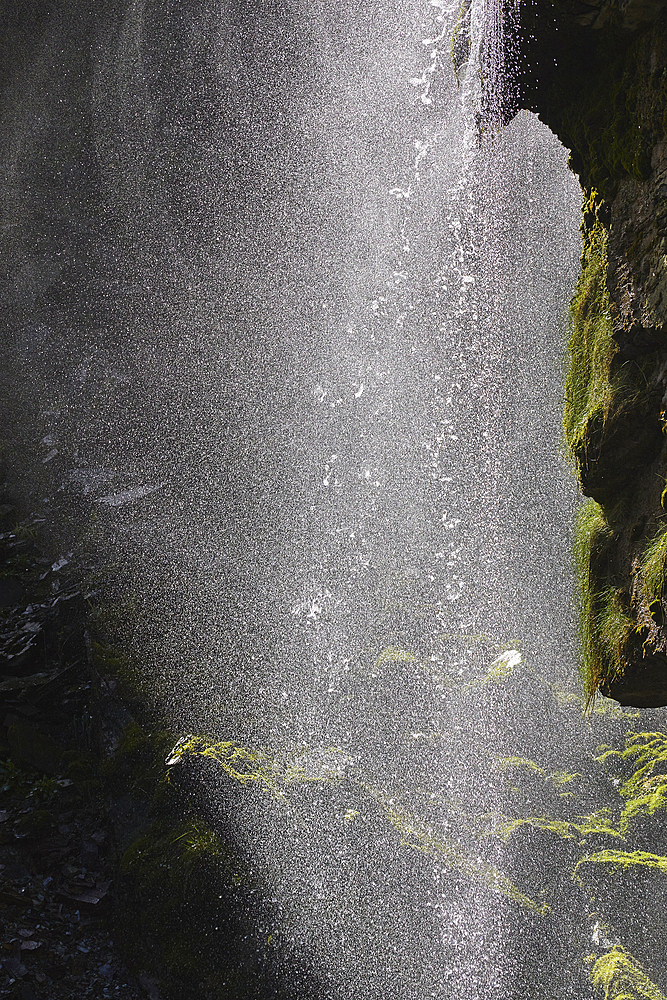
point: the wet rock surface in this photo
(618, 445)
(58, 850)
(643, 684)
(637, 241)
(605, 95)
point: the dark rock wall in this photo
(597, 75)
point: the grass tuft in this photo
(590, 345)
(604, 625)
(654, 567)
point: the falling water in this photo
(286, 323)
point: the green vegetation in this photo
(561, 778)
(654, 567)
(621, 978)
(237, 762)
(590, 346)
(504, 665)
(507, 763)
(604, 625)
(501, 668)
(557, 778)
(611, 629)
(393, 654)
(607, 100)
(580, 827)
(622, 859)
(421, 837)
(612, 710)
(653, 799)
(185, 885)
(272, 772)
(645, 790)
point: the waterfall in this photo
(286, 326)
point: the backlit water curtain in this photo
(286, 311)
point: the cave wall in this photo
(597, 75)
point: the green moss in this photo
(622, 859)
(418, 835)
(603, 100)
(590, 346)
(557, 778)
(188, 888)
(566, 699)
(562, 778)
(186, 843)
(645, 790)
(612, 710)
(621, 978)
(653, 799)
(508, 763)
(239, 763)
(393, 654)
(599, 822)
(504, 828)
(504, 665)
(654, 567)
(604, 624)
(611, 629)
(273, 773)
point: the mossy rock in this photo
(207, 930)
(602, 89)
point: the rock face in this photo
(597, 75)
